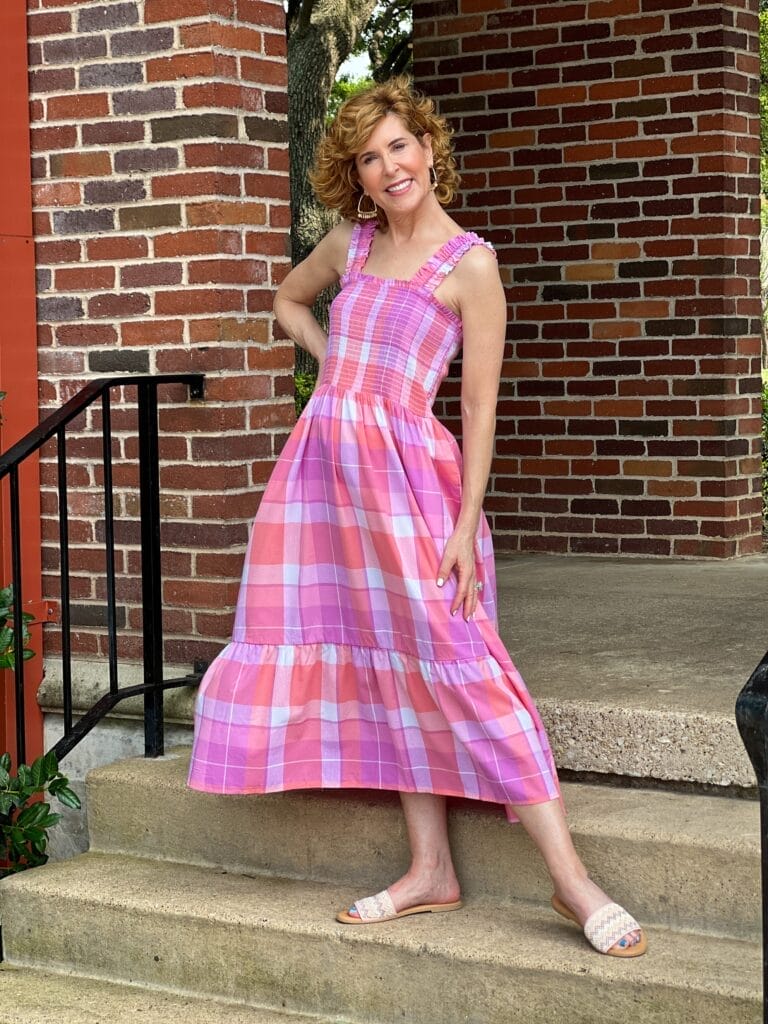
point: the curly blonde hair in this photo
(334, 176)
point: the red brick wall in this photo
(609, 150)
(161, 212)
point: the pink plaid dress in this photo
(346, 668)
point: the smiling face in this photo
(393, 167)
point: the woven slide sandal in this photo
(379, 908)
(605, 927)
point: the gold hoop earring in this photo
(434, 182)
(366, 214)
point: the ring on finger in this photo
(478, 586)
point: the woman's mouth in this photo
(399, 187)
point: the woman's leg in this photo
(431, 877)
(546, 825)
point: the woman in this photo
(350, 665)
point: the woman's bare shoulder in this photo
(334, 246)
(477, 268)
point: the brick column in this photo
(161, 214)
(610, 151)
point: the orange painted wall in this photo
(18, 348)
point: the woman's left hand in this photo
(459, 558)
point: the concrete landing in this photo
(661, 635)
(636, 664)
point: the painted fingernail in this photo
(440, 581)
(454, 611)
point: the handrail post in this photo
(151, 577)
(752, 720)
(18, 619)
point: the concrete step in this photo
(32, 996)
(272, 941)
(680, 861)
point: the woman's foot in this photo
(584, 898)
(423, 889)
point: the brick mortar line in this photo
(219, 19)
(178, 50)
(140, 87)
(124, 261)
(148, 200)
(150, 290)
(154, 232)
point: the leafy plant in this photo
(7, 652)
(24, 824)
(344, 87)
(304, 386)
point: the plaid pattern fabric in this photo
(346, 668)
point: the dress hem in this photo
(299, 786)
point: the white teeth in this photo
(400, 187)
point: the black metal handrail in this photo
(752, 720)
(154, 685)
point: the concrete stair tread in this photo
(680, 819)
(33, 996)
(520, 938)
(680, 860)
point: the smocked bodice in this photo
(392, 338)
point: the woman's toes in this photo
(628, 940)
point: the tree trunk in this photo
(320, 38)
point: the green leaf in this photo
(38, 771)
(5, 762)
(39, 847)
(69, 798)
(34, 834)
(16, 836)
(50, 764)
(24, 775)
(32, 815)
(5, 778)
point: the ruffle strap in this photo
(437, 268)
(359, 247)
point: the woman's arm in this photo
(484, 316)
(296, 295)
